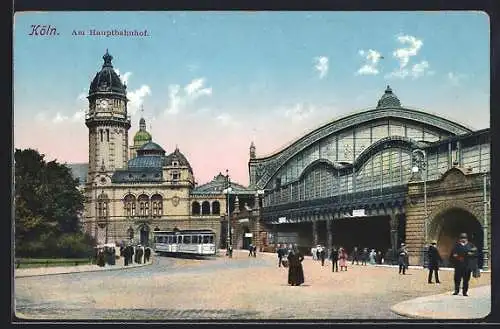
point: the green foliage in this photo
(47, 208)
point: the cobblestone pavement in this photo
(220, 288)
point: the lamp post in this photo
(228, 190)
(420, 164)
(485, 223)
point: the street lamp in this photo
(420, 163)
(227, 191)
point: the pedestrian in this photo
(280, 252)
(342, 259)
(255, 251)
(230, 251)
(250, 250)
(112, 256)
(101, 261)
(462, 256)
(131, 254)
(433, 263)
(313, 253)
(364, 256)
(334, 257)
(372, 257)
(295, 270)
(125, 255)
(147, 254)
(355, 256)
(379, 258)
(402, 257)
(322, 255)
(318, 253)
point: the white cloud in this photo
(59, 118)
(82, 96)
(411, 48)
(125, 76)
(404, 54)
(299, 112)
(321, 65)
(41, 116)
(372, 58)
(455, 78)
(178, 100)
(79, 116)
(136, 98)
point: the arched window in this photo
(143, 205)
(205, 208)
(215, 208)
(129, 204)
(195, 208)
(157, 203)
(102, 206)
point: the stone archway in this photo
(448, 224)
(144, 235)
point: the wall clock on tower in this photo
(103, 103)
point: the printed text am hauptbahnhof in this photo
(119, 33)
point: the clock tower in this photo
(108, 124)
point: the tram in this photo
(185, 242)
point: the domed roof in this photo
(142, 136)
(388, 99)
(107, 80)
(179, 157)
(150, 148)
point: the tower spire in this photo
(107, 59)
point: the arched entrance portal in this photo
(144, 238)
(447, 227)
(247, 239)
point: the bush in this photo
(74, 245)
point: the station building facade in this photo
(132, 191)
(377, 178)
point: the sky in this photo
(210, 83)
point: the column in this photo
(329, 219)
(394, 221)
(315, 229)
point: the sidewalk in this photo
(446, 306)
(41, 271)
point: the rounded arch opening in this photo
(447, 226)
(205, 208)
(216, 208)
(195, 208)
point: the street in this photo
(220, 288)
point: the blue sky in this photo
(211, 82)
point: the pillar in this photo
(315, 229)
(394, 222)
(329, 240)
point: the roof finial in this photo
(107, 59)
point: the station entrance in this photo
(362, 232)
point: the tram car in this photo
(185, 242)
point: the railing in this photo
(51, 262)
(351, 199)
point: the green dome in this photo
(142, 136)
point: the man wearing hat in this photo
(460, 255)
(434, 260)
(402, 259)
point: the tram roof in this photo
(186, 231)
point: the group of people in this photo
(373, 257)
(105, 255)
(252, 250)
(135, 254)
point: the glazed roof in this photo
(107, 80)
(179, 157)
(218, 184)
(150, 148)
(151, 161)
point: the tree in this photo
(47, 208)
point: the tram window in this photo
(205, 238)
(211, 239)
(187, 239)
(169, 239)
(179, 239)
(195, 239)
(200, 239)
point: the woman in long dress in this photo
(342, 259)
(372, 257)
(295, 270)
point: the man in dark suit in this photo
(280, 253)
(334, 257)
(434, 260)
(322, 254)
(460, 256)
